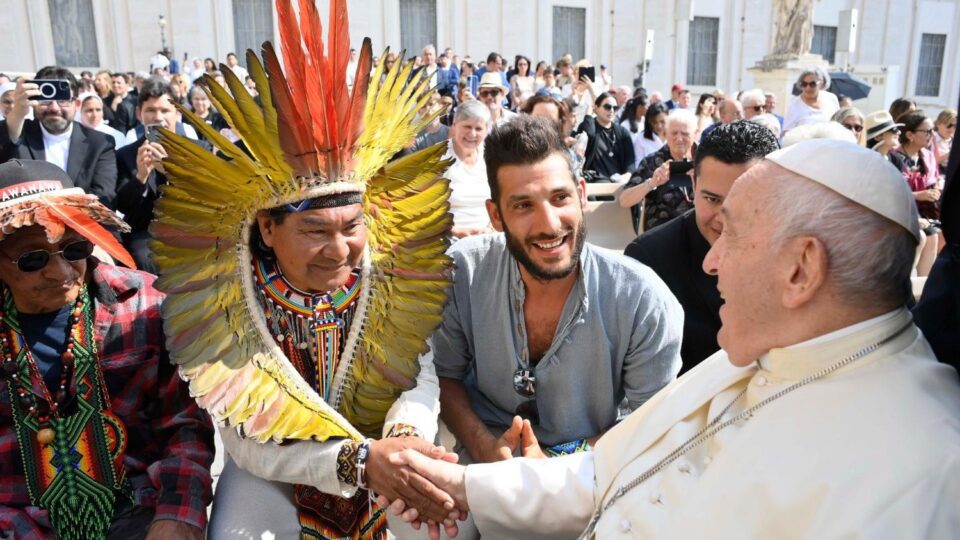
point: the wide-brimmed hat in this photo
(878, 122)
(491, 79)
(40, 193)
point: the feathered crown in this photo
(308, 137)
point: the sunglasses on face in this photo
(37, 259)
(758, 108)
(856, 128)
(808, 84)
(489, 93)
(609, 107)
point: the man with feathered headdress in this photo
(304, 276)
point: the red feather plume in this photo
(79, 221)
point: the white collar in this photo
(50, 138)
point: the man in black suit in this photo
(141, 169)
(123, 104)
(675, 250)
(87, 155)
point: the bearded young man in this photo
(99, 437)
(546, 334)
(305, 275)
(826, 414)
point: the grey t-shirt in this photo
(619, 335)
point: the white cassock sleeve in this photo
(530, 498)
(315, 463)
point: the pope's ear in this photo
(805, 273)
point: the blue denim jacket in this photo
(618, 336)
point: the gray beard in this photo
(56, 126)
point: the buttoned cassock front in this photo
(869, 451)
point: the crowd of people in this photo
(715, 379)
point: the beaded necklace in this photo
(310, 328)
(71, 444)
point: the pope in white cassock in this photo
(825, 415)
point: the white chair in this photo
(608, 225)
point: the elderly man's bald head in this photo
(730, 110)
(796, 259)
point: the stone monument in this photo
(778, 71)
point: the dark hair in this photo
(525, 140)
(901, 106)
(603, 95)
(736, 143)
(153, 88)
(630, 111)
(536, 99)
(911, 121)
(57, 72)
(492, 57)
(84, 74)
(653, 111)
(229, 54)
(517, 60)
(702, 100)
(116, 74)
(213, 63)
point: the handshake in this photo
(424, 485)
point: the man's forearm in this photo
(466, 426)
(15, 126)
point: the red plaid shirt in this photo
(170, 440)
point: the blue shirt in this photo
(618, 336)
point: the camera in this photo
(151, 132)
(52, 90)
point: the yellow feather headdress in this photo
(308, 137)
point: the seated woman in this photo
(468, 174)
(634, 110)
(609, 147)
(814, 104)
(943, 131)
(654, 130)
(664, 195)
(919, 168)
(852, 119)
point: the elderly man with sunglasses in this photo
(99, 437)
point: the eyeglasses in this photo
(62, 104)
(856, 128)
(488, 93)
(927, 131)
(609, 107)
(37, 259)
(809, 84)
(525, 384)
(758, 108)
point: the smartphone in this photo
(52, 90)
(680, 168)
(151, 132)
(589, 72)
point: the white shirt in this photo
(240, 72)
(57, 147)
(469, 192)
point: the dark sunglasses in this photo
(758, 108)
(809, 84)
(856, 128)
(609, 107)
(35, 260)
(487, 93)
